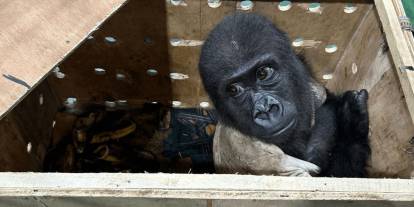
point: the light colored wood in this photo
(154, 202)
(37, 34)
(192, 186)
(399, 48)
(258, 203)
(184, 22)
(367, 64)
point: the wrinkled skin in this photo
(261, 87)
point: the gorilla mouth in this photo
(291, 124)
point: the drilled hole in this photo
(100, 71)
(285, 5)
(110, 39)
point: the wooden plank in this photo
(259, 203)
(356, 68)
(391, 129)
(99, 202)
(330, 26)
(13, 146)
(154, 202)
(37, 34)
(29, 123)
(193, 186)
(367, 64)
(140, 44)
(399, 47)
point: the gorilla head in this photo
(255, 80)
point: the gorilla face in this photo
(256, 82)
(256, 99)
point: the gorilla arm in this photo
(235, 152)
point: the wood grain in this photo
(205, 186)
(367, 64)
(37, 34)
(141, 44)
(399, 47)
(29, 122)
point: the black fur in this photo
(261, 87)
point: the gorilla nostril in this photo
(274, 108)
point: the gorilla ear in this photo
(318, 94)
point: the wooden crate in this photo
(50, 49)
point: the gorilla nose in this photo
(265, 106)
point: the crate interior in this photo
(137, 74)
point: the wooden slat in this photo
(367, 64)
(399, 47)
(157, 202)
(37, 34)
(192, 186)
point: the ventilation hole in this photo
(178, 76)
(331, 48)
(204, 104)
(152, 72)
(298, 42)
(70, 102)
(327, 76)
(29, 147)
(57, 73)
(350, 8)
(246, 5)
(285, 5)
(120, 76)
(122, 102)
(354, 68)
(41, 99)
(148, 40)
(176, 103)
(176, 2)
(154, 102)
(110, 104)
(314, 7)
(100, 71)
(53, 124)
(110, 39)
(90, 37)
(175, 41)
(214, 3)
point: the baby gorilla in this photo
(260, 87)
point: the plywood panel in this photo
(37, 34)
(331, 26)
(29, 123)
(367, 64)
(184, 22)
(190, 21)
(365, 59)
(140, 44)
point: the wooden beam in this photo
(202, 186)
(37, 34)
(399, 44)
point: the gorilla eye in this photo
(234, 89)
(264, 73)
